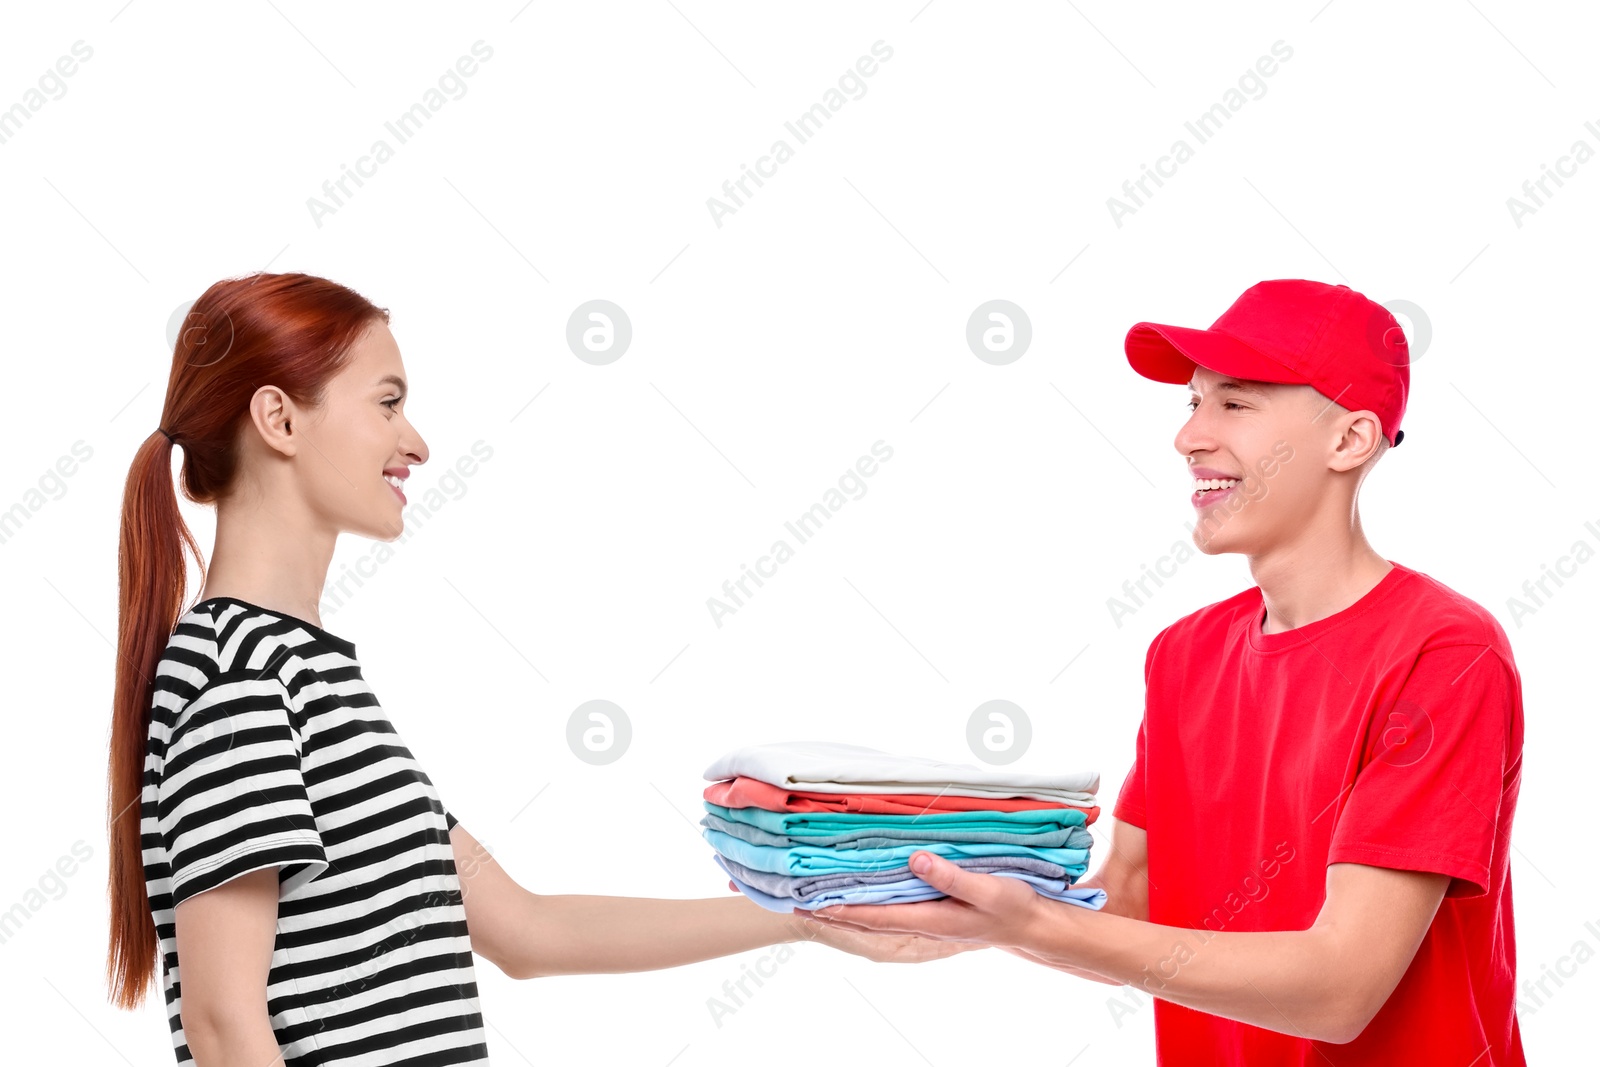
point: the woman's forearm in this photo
(573, 934)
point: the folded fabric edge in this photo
(1058, 798)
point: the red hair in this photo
(293, 331)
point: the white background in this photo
(827, 313)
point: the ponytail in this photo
(293, 331)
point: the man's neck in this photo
(1301, 586)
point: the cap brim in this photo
(1169, 353)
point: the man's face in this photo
(1249, 433)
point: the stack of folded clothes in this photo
(809, 824)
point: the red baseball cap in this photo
(1330, 337)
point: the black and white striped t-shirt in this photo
(267, 748)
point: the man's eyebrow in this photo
(1238, 387)
(394, 380)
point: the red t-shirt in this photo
(1388, 734)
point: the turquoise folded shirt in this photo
(872, 836)
(815, 859)
(799, 824)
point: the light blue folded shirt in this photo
(814, 859)
(909, 891)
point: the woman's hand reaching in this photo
(885, 948)
(880, 948)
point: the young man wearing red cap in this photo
(1309, 864)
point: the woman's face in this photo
(360, 438)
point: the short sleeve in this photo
(232, 798)
(449, 821)
(1129, 807)
(1427, 796)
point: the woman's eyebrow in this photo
(394, 380)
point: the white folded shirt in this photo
(831, 767)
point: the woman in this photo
(271, 836)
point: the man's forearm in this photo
(577, 934)
(1283, 980)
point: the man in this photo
(1309, 861)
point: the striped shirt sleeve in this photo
(231, 798)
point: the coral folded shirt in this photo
(746, 792)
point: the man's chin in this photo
(1216, 546)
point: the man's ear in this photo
(1359, 440)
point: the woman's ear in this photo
(273, 414)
